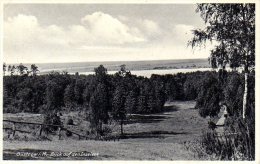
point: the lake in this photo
(139, 68)
(148, 73)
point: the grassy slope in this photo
(107, 150)
(179, 123)
(150, 137)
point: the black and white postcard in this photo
(131, 81)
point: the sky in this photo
(56, 33)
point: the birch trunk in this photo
(246, 62)
(245, 95)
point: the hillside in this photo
(149, 137)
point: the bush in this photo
(51, 118)
(212, 125)
(236, 143)
(68, 133)
(70, 122)
(210, 94)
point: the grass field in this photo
(149, 137)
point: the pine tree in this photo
(118, 106)
(22, 69)
(131, 102)
(69, 97)
(99, 106)
(34, 69)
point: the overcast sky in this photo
(42, 33)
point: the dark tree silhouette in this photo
(99, 106)
(69, 96)
(4, 68)
(34, 69)
(22, 69)
(101, 73)
(11, 69)
(118, 106)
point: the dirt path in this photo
(179, 123)
(150, 137)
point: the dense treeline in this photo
(62, 91)
(123, 91)
(105, 97)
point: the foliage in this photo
(118, 105)
(237, 143)
(232, 27)
(21, 69)
(99, 106)
(141, 95)
(209, 96)
(53, 95)
(4, 68)
(51, 118)
(34, 69)
(69, 96)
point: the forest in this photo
(114, 96)
(62, 91)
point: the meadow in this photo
(159, 136)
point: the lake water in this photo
(139, 68)
(148, 73)
(159, 66)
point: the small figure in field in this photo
(59, 132)
(223, 107)
(222, 118)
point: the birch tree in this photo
(232, 28)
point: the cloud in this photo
(21, 28)
(24, 35)
(97, 28)
(148, 28)
(97, 36)
(110, 30)
(151, 27)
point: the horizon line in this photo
(103, 61)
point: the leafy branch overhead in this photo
(232, 28)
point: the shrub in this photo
(70, 122)
(51, 118)
(236, 143)
(212, 125)
(68, 133)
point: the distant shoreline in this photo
(120, 61)
(142, 68)
(148, 73)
